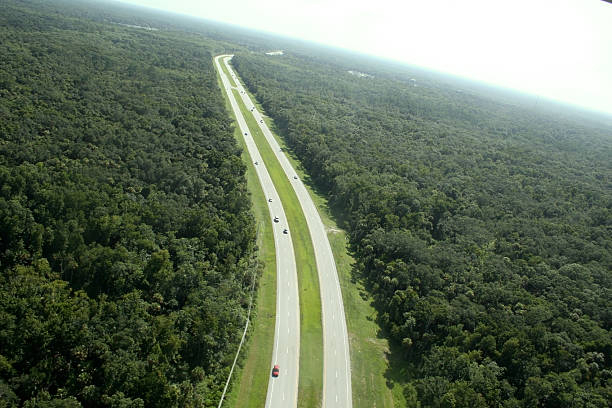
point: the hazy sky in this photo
(561, 49)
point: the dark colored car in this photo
(285, 231)
(269, 200)
(275, 219)
(275, 371)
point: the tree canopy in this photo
(126, 238)
(482, 228)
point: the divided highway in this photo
(282, 391)
(336, 359)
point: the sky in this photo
(558, 49)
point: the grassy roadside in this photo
(250, 381)
(311, 336)
(372, 384)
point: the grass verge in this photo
(250, 382)
(371, 379)
(310, 387)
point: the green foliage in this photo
(126, 239)
(482, 229)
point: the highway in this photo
(336, 358)
(282, 391)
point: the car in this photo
(275, 219)
(295, 177)
(269, 200)
(256, 163)
(261, 121)
(285, 231)
(275, 370)
(245, 133)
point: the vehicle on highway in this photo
(269, 200)
(275, 370)
(245, 133)
(261, 121)
(295, 177)
(256, 163)
(285, 231)
(275, 219)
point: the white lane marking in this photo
(336, 373)
(287, 350)
(284, 394)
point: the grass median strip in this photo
(250, 383)
(310, 388)
(231, 80)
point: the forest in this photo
(482, 228)
(127, 245)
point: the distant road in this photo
(336, 359)
(282, 391)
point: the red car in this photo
(275, 370)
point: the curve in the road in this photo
(282, 391)
(337, 390)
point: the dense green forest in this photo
(482, 229)
(126, 238)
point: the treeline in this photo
(482, 230)
(126, 239)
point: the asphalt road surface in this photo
(336, 358)
(282, 391)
